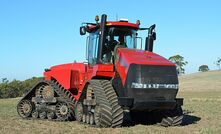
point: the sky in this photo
(37, 34)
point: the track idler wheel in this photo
(25, 108)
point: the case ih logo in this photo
(166, 86)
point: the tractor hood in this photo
(141, 57)
(128, 60)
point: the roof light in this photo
(96, 18)
(138, 22)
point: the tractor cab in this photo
(107, 36)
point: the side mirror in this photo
(83, 30)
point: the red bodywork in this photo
(74, 76)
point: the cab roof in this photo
(122, 23)
(115, 23)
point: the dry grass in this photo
(206, 81)
(202, 114)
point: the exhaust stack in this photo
(102, 37)
(150, 39)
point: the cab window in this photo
(93, 40)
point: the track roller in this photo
(79, 112)
(42, 115)
(62, 111)
(35, 114)
(50, 115)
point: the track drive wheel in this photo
(38, 91)
(25, 108)
(47, 92)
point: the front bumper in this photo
(150, 104)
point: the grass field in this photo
(202, 108)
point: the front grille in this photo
(148, 82)
(151, 74)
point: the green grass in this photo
(202, 114)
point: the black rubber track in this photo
(69, 100)
(117, 111)
(105, 110)
(172, 117)
(111, 114)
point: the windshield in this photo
(122, 34)
(115, 37)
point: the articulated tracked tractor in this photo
(120, 75)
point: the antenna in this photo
(116, 17)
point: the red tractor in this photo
(119, 75)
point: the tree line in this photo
(16, 88)
(181, 63)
